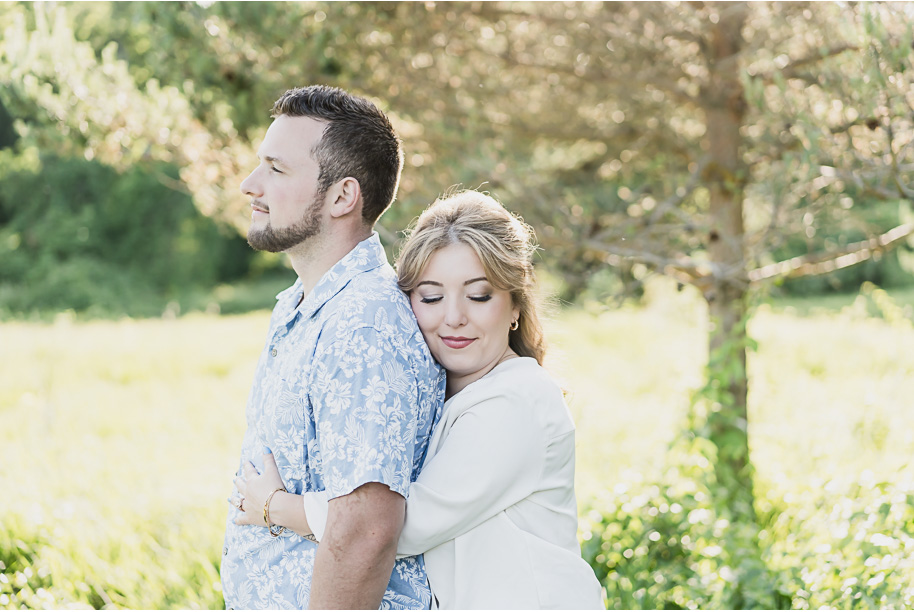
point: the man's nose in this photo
(251, 186)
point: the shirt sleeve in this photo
(364, 396)
(492, 458)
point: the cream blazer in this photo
(494, 508)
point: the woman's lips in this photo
(455, 342)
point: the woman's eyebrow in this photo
(437, 284)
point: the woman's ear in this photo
(345, 197)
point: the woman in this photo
(493, 508)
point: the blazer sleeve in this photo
(317, 506)
(492, 458)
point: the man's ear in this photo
(345, 197)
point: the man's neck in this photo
(316, 257)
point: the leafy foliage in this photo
(78, 234)
(665, 546)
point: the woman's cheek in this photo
(424, 318)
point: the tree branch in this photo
(822, 263)
(791, 70)
(817, 56)
(680, 264)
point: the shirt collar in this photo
(367, 255)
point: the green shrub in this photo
(663, 546)
(847, 545)
(78, 235)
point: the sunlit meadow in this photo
(120, 438)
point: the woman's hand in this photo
(255, 488)
(286, 509)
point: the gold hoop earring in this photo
(514, 325)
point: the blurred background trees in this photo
(738, 148)
(589, 119)
(592, 120)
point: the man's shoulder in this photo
(377, 288)
(370, 299)
(372, 304)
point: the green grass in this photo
(120, 437)
(120, 440)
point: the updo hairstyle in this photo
(502, 241)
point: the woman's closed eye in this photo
(433, 299)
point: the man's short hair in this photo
(359, 141)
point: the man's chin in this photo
(268, 240)
(259, 240)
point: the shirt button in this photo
(224, 551)
(274, 352)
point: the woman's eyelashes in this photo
(432, 299)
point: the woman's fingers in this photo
(244, 519)
(254, 487)
(269, 463)
(241, 484)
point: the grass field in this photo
(120, 437)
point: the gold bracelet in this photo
(266, 513)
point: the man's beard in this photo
(279, 240)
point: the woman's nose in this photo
(455, 316)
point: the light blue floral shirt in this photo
(345, 393)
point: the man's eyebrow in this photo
(275, 160)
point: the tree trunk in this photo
(727, 418)
(725, 110)
(725, 421)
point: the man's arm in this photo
(356, 555)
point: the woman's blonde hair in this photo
(502, 241)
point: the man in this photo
(346, 392)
